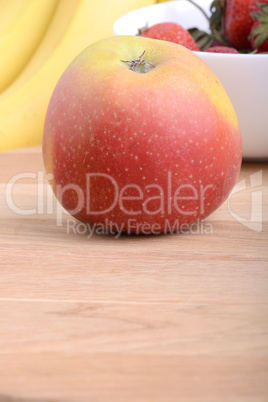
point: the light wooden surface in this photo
(155, 318)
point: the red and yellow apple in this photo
(140, 135)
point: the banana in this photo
(54, 34)
(22, 113)
(9, 13)
(21, 34)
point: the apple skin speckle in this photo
(172, 131)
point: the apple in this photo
(140, 137)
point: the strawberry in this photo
(259, 31)
(221, 49)
(171, 32)
(237, 23)
(230, 23)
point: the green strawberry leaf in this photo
(216, 19)
(260, 33)
(260, 16)
(202, 38)
(142, 29)
(216, 22)
(260, 38)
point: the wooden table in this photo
(181, 317)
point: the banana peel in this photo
(22, 112)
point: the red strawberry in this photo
(230, 22)
(221, 49)
(238, 22)
(171, 32)
(259, 30)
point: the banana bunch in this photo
(38, 40)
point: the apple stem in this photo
(140, 65)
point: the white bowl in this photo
(244, 76)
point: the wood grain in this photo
(181, 317)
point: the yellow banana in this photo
(54, 34)
(10, 11)
(21, 34)
(22, 114)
